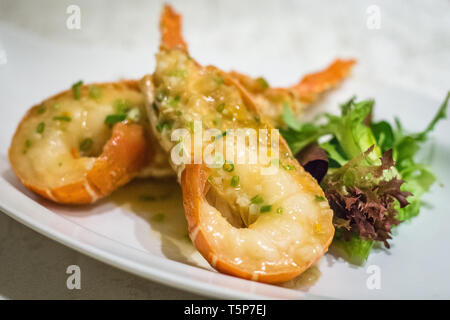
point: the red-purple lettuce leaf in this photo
(365, 196)
(314, 159)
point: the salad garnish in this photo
(368, 170)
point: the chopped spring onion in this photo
(40, 127)
(173, 102)
(76, 89)
(122, 106)
(95, 92)
(160, 126)
(86, 144)
(320, 198)
(263, 83)
(112, 119)
(62, 118)
(234, 181)
(41, 109)
(220, 107)
(257, 199)
(228, 166)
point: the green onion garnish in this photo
(40, 127)
(220, 107)
(86, 144)
(62, 118)
(76, 88)
(160, 126)
(122, 106)
(95, 92)
(112, 119)
(263, 83)
(27, 145)
(234, 181)
(41, 109)
(178, 73)
(228, 166)
(173, 102)
(288, 167)
(257, 199)
(266, 208)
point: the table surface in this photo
(411, 49)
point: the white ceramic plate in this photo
(123, 232)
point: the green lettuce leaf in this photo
(354, 249)
(418, 177)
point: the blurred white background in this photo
(409, 47)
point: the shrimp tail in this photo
(171, 30)
(313, 84)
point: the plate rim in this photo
(170, 278)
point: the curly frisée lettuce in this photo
(362, 195)
(373, 181)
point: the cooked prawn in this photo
(268, 228)
(271, 101)
(82, 144)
